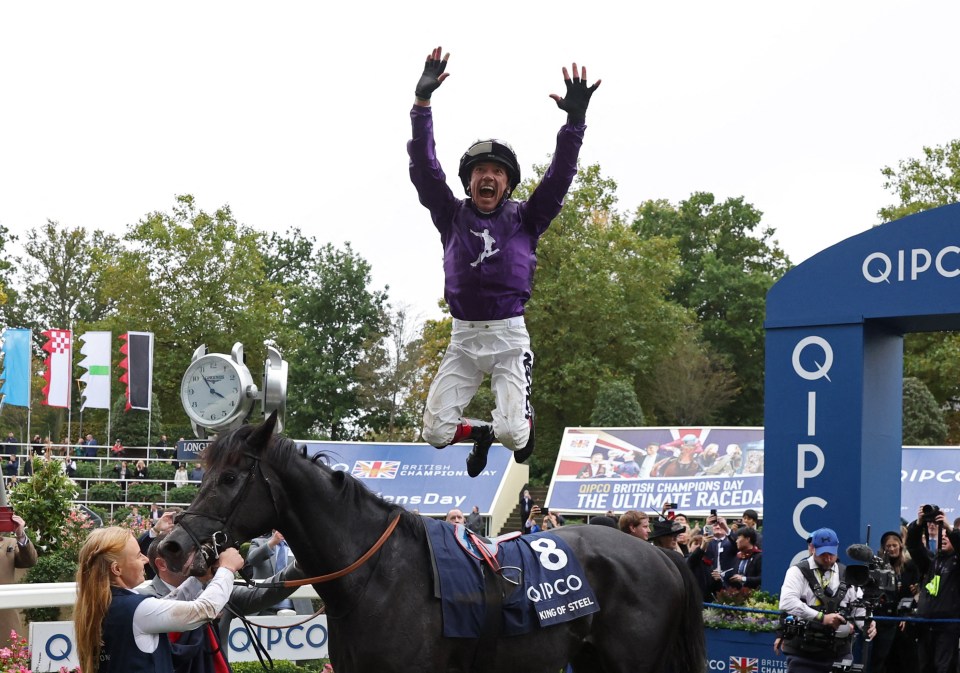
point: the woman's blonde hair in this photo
(104, 547)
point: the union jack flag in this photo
(376, 469)
(743, 665)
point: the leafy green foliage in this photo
(338, 324)
(131, 425)
(616, 405)
(923, 420)
(105, 492)
(182, 494)
(598, 311)
(727, 262)
(146, 492)
(44, 503)
(280, 666)
(923, 183)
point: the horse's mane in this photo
(281, 452)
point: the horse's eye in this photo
(228, 478)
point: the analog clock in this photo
(217, 391)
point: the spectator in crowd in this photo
(746, 571)
(10, 444)
(268, 556)
(752, 520)
(682, 537)
(530, 525)
(635, 523)
(454, 516)
(895, 647)
(90, 447)
(117, 450)
(28, 465)
(551, 520)
(196, 474)
(47, 448)
(37, 445)
(939, 593)
(163, 450)
(664, 535)
(122, 473)
(702, 561)
(114, 623)
(180, 477)
(811, 594)
(11, 467)
(70, 466)
(526, 504)
(140, 470)
(155, 513)
(474, 521)
(17, 552)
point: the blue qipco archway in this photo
(834, 379)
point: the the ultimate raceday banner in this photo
(618, 469)
(697, 468)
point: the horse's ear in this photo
(260, 437)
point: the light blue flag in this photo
(16, 367)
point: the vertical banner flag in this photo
(16, 367)
(56, 370)
(138, 363)
(96, 378)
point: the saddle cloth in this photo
(553, 589)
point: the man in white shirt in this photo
(811, 595)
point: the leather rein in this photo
(219, 539)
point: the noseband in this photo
(218, 540)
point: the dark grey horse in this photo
(382, 616)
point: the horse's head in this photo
(234, 504)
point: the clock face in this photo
(212, 391)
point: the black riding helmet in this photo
(490, 150)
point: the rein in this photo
(329, 577)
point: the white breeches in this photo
(500, 348)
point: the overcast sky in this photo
(296, 113)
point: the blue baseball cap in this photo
(824, 541)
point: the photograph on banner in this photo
(697, 468)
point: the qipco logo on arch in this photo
(812, 361)
(879, 267)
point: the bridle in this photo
(219, 540)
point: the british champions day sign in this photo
(834, 379)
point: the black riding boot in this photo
(482, 435)
(521, 455)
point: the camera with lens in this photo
(875, 577)
(929, 513)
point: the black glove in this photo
(577, 98)
(430, 79)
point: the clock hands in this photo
(210, 386)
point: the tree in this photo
(925, 183)
(921, 184)
(192, 278)
(923, 422)
(6, 265)
(599, 309)
(616, 406)
(727, 263)
(339, 323)
(131, 425)
(693, 385)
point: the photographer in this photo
(939, 590)
(815, 599)
(895, 647)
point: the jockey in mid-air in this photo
(489, 256)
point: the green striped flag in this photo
(96, 391)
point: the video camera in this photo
(875, 578)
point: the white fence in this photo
(52, 643)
